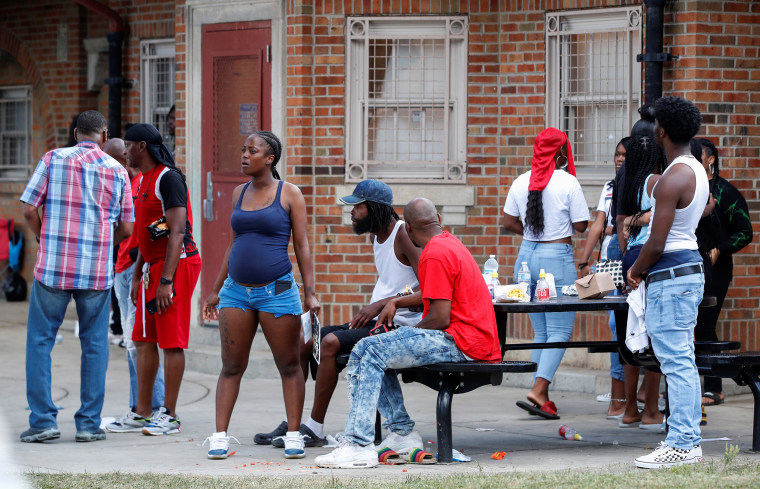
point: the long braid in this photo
(534, 213)
(643, 158)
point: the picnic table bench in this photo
(461, 377)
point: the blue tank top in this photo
(260, 252)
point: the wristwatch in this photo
(583, 265)
(166, 281)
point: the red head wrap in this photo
(545, 148)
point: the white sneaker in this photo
(348, 456)
(219, 445)
(402, 444)
(294, 445)
(666, 456)
(131, 422)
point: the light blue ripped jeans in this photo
(557, 259)
(373, 384)
(670, 318)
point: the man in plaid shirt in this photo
(87, 207)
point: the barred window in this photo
(593, 83)
(15, 132)
(157, 83)
(406, 99)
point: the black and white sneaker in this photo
(310, 439)
(666, 456)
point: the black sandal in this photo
(715, 396)
(266, 438)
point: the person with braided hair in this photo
(725, 231)
(266, 212)
(644, 162)
(547, 207)
(165, 272)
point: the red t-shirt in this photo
(160, 188)
(123, 261)
(448, 271)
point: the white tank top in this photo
(681, 235)
(394, 276)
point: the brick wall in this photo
(59, 87)
(506, 89)
(719, 70)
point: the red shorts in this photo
(170, 329)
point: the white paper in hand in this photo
(306, 326)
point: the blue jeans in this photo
(557, 259)
(373, 384)
(122, 282)
(617, 371)
(47, 307)
(671, 315)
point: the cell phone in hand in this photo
(380, 329)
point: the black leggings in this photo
(707, 319)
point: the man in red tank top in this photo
(166, 272)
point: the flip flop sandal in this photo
(389, 457)
(420, 456)
(658, 428)
(547, 411)
(715, 398)
(635, 424)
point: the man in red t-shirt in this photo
(166, 271)
(122, 282)
(458, 325)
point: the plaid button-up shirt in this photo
(85, 193)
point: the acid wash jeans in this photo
(122, 283)
(373, 384)
(670, 319)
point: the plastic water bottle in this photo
(542, 287)
(491, 266)
(569, 433)
(523, 275)
(493, 283)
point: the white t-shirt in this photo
(605, 201)
(562, 200)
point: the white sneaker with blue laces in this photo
(219, 445)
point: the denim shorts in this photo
(262, 298)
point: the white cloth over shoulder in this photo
(636, 338)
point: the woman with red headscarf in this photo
(547, 207)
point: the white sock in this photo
(317, 428)
(292, 434)
(219, 434)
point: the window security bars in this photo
(406, 103)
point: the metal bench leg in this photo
(443, 421)
(753, 381)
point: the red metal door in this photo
(236, 93)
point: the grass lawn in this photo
(706, 475)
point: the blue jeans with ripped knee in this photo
(373, 384)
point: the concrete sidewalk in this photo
(485, 421)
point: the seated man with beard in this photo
(396, 260)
